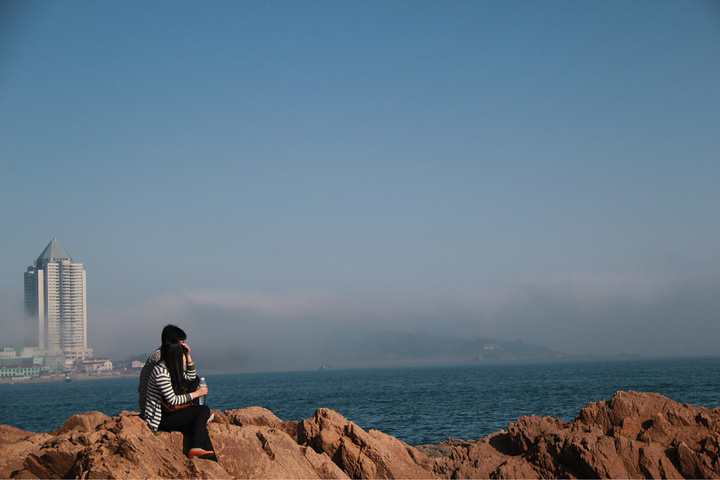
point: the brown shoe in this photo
(200, 453)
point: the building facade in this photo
(19, 369)
(56, 304)
(94, 365)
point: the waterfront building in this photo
(91, 365)
(19, 368)
(56, 304)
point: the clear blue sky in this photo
(541, 170)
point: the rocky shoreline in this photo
(633, 435)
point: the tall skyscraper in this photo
(56, 304)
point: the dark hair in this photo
(172, 353)
(172, 331)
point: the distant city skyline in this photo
(284, 178)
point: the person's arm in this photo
(190, 373)
(164, 385)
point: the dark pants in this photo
(192, 422)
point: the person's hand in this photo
(201, 391)
(186, 351)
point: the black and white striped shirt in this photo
(159, 388)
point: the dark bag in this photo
(188, 386)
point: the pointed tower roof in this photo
(54, 252)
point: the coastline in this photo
(60, 377)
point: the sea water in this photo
(416, 404)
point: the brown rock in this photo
(256, 416)
(654, 463)
(258, 452)
(10, 435)
(16, 445)
(362, 454)
(524, 434)
(87, 422)
(633, 435)
(122, 447)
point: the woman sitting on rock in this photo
(169, 406)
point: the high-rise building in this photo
(56, 304)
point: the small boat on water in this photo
(68, 378)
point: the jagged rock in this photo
(362, 454)
(633, 435)
(16, 445)
(258, 416)
(257, 452)
(87, 422)
(121, 447)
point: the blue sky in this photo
(254, 171)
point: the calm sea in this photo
(418, 405)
